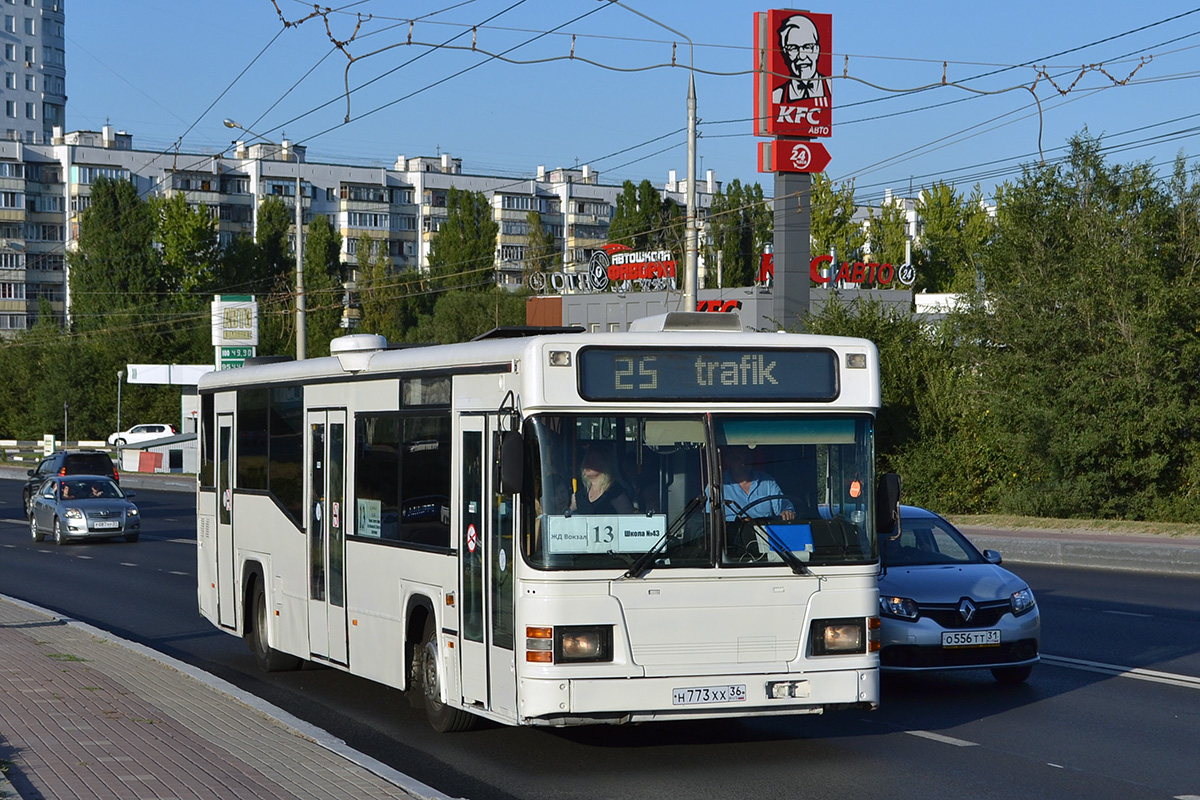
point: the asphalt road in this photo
(1111, 713)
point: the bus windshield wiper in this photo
(643, 563)
(797, 566)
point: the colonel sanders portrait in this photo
(800, 45)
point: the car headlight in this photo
(898, 607)
(1021, 601)
(131, 511)
(73, 513)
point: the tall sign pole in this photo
(691, 280)
(792, 105)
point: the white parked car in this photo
(142, 433)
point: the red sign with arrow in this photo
(792, 155)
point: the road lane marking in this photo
(1169, 678)
(1128, 614)
(937, 737)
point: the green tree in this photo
(834, 228)
(739, 226)
(460, 315)
(463, 251)
(1086, 341)
(273, 278)
(323, 287)
(541, 254)
(188, 240)
(116, 277)
(636, 216)
(955, 232)
(887, 233)
(391, 303)
(275, 259)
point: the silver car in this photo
(944, 605)
(83, 507)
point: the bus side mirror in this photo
(887, 503)
(511, 464)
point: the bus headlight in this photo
(568, 644)
(575, 643)
(834, 637)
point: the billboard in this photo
(793, 59)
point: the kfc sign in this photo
(793, 52)
(821, 270)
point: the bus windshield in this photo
(702, 491)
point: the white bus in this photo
(421, 517)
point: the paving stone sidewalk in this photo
(86, 715)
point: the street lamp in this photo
(120, 378)
(301, 332)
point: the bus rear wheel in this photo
(268, 658)
(442, 717)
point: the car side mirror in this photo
(992, 556)
(887, 503)
(31, 472)
(130, 494)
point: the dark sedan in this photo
(74, 507)
(944, 605)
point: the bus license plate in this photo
(709, 694)
(970, 638)
(105, 524)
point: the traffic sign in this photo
(792, 155)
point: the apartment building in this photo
(34, 66)
(397, 208)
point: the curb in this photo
(1129, 553)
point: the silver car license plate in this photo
(970, 638)
(709, 694)
(106, 524)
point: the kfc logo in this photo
(793, 93)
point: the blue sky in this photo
(171, 70)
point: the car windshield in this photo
(713, 491)
(85, 489)
(924, 541)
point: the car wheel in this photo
(131, 537)
(119, 442)
(442, 717)
(59, 539)
(269, 659)
(1012, 674)
(33, 530)
(27, 501)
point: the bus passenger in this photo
(599, 492)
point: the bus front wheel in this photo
(442, 717)
(269, 659)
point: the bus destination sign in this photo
(707, 374)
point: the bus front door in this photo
(485, 552)
(326, 495)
